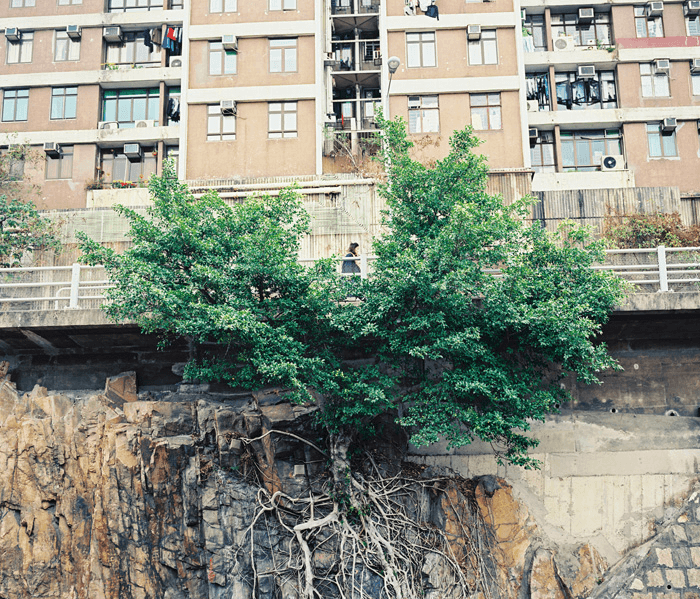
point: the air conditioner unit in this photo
(585, 15)
(108, 125)
(376, 54)
(612, 162)
(691, 7)
(533, 106)
(132, 151)
(662, 66)
(112, 34)
(669, 124)
(13, 34)
(413, 102)
(52, 149)
(655, 9)
(586, 72)
(563, 44)
(695, 65)
(228, 107)
(142, 124)
(523, 14)
(533, 133)
(473, 32)
(176, 62)
(73, 31)
(229, 42)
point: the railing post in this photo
(74, 285)
(363, 266)
(663, 274)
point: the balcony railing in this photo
(659, 269)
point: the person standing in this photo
(351, 266)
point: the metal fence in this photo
(659, 269)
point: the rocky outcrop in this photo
(128, 495)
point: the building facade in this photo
(601, 95)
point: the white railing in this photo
(81, 287)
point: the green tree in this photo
(23, 229)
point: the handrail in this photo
(654, 269)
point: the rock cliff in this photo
(128, 495)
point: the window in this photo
(221, 62)
(282, 120)
(692, 23)
(69, 2)
(537, 88)
(423, 114)
(695, 82)
(534, 39)
(590, 33)
(61, 166)
(65, 48)
(485, 49)
(22, 3)
(223, 6)
(283, 4)
(117, 167)
(14, 157)
(486, 111)
(134, 5)
(653, 84)
(132, 50)
(15, 105)
(126, 106)
(647, 26)
(584, 150)
(64, 102)
(420, 50)
(661, 143)
(172, 108)
(580, 94)
(219, 127)
(542, 152)
(283, 56)
(21, 51)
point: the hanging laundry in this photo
(173, 110)
(147, 40)
(157, 35)
(424, 4)
(433, 12)
(171, 33)
(410, 7)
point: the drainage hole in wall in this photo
(613, 410)
(671, 413)
(668, 586)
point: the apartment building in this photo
(569, 96)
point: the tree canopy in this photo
(465, 328)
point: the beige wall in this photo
(450, 7)
(40, 106)
(50, 7)
(43, 53)
(630, 90)
(650, 172)
(253, 65)
(250, 12)
(452, 60)
(502, 147)
(252, 154)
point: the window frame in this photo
(15, 99)
(535, 26)
(285, 46)
(282, 5)
(65, 95)
(148, 162)
(422, 44)
(642, 21)
(140, 6)
(131, 42)
(653, 80)
(692, 25)
(538, 161)
(225, 6)
(570, 26)
(226, 125)
(283, 132)
(23, 49)
(477, 49)
(224, 59)
(580, 138)
(695, 84)
(62, 163)
(570, 78)
(476, 109)
(129, 96)
(72, 47)
(656, 132)
(421, 111)
(22, 3)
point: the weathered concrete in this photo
(661, 302)
(605, 478)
